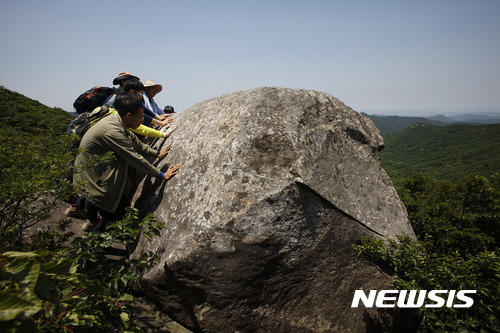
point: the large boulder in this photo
(275, 187)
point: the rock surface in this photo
(274, 188)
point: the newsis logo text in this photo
(414, 298)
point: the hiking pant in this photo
(93, 212)
(80, 202)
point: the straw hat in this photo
(151, 83)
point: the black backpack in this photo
(92, 98)
(84, 121)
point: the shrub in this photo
(456, 249)
(79, 288)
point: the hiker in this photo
(110, 184)
(77, 209)
(122, 78)
(119, 81)
(136, 88)
(151, 89)
(168, 109)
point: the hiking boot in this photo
(77, 212)
(89, 226)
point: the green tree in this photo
(34, 177)
(456, 249)
(34, 158)
(447, 216)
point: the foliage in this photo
(449, 217)
(73, 289)
(457, 227)
(34, 177)
(34, 157)
(29, 117)
(449, 152)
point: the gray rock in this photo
(274, 188)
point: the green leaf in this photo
(64, 267)
(44, 289)
(12, 305)
(25, 273)
(73, 317)
(19, 254)
(124, 316)
(126, 297)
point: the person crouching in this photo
(109, 184)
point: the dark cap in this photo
(168, 109)
(123, 76)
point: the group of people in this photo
(109, 184)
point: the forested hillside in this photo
(449, 152)
(21, 114)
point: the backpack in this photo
(92, 98)
(80, 126)
(84, 121)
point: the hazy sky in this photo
(376, 56)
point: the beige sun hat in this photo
(151, 83)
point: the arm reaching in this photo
(157, 121)
(172, 171)
(164, 152)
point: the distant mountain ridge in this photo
(470, 118)
(394, 124)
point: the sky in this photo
(377, 56)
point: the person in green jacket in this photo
(109, 185)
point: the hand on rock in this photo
(172, 171)
(164, 152)
(169, 130)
